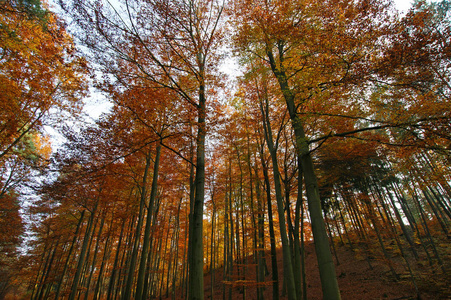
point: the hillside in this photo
(357, 280)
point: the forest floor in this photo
(356, 279)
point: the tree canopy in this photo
(336, 132)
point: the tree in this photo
(40, 71)
(323, 65)
(351, 101)
(12, 227)
(172, 44)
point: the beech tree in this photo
(40, 71)
(339, 125)
(315, 57)
(172, 44)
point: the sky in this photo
(94, 108)
(403, 5)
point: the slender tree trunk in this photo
(212, 245)
(294, 239)
(260, 241)
(362, 226)
(94, 259)
(429, 236)
(176, 258)
(391, 224)
(258, 226)
(87, 264)
(196, 261)
(272, 238)
(326, 266)
(441, 202)
(125, 259)
(146, 239)
(405, 207)
(50, 281)
(66, 265)
(147, 292)
(374, 222)
(413, 224)
(304, 273)
(106, 255)
(226, 249)
(244, 254)
(407, 235)
(344, 224)
(299, 267)
(231, 257)
(41, 271)
(134, 257)
(84, 249)
(192, 190)
(337, 226)
(149, 288)
(116, 260)
(331, 238)
(287, 261)
(436, 211)
(165, 251)
(46, 271)
(440, 178)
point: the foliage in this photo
(340, 121)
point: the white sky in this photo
(403, 5)
(95, 108)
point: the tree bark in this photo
(134, 257)
(146, 239)
(116, 260)
(326, 266)
(82, 256)
(196, 261)
(272, 238)
(66, 265)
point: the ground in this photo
(357, 280)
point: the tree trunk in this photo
(299, 264)
(326, 266)
(212, 246)
(272, 238)
(407, 235)
(226, 249)
(192, 191)
(46, 272)
(93, 264)
(116, 260)
(81, 258)
(287, 261)
(260, 239)
(131, 270)
(196, 261)
(66, 265)
(106, 255)
(146, 239)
